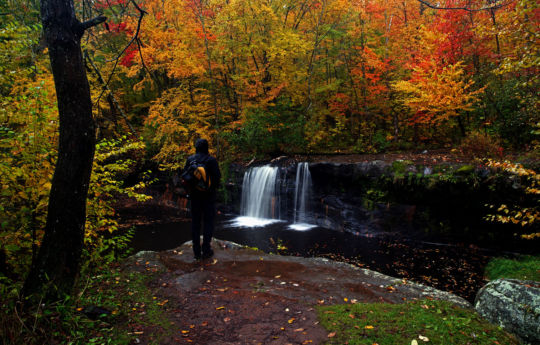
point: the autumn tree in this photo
(57, 264)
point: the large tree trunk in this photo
(55, 269)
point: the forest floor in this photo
(245, 296)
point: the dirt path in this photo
(243, 296)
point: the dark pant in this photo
(202, 210)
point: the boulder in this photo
(512, 304)
(144, 261)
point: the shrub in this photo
(481, 145)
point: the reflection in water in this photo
(454, 268)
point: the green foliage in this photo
(274, 130)
(504, 113)
(388, 324)
(114, 161)
(525, 267)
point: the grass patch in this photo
(525, 268)
(128, 307)
(439, 322)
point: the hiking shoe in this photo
(208, 254)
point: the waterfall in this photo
(260, 197)
(302, 193)
(302, 198)
(260, 203)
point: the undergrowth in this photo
(111, 307)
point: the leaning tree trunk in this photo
(55, 269)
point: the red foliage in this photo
(127, 59)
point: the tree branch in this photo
(494, 6)
(92, 22)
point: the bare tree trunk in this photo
(56, 267)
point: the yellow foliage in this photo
(435, 95)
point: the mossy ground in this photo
(426, 322)
(524, 268)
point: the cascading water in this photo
(260, 197)
(302, 197)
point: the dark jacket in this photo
(212, 169)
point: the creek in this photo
(279, 215)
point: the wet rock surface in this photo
(514, 305)
(244, 296)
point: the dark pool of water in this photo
(455, 268)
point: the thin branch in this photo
(111, 94)
(135, 36)
(146, 69)
(494, 6)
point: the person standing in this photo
(203, 202)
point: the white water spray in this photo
(302, 198)
(260, 197)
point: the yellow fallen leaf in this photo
(346, 299)
(421, 337)
(299, 330)
(291, 320)
(369, 327)
(162, 303)
(220, 308)
(185, 332)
